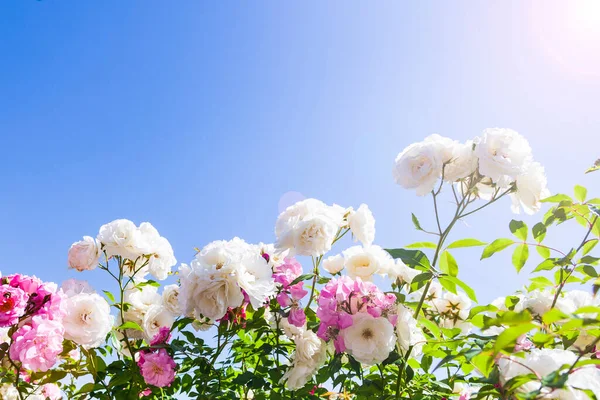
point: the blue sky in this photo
(199, 116)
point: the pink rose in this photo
(297, 317)
(38, 345)
(288, 271)
(158, 368)
(13, 302)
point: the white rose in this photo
(88, 319)
(334, 264)
(155, 318)
(161, 257)
(502, 152)
(531, 189)
(9, 392)
(255, 276)
(314, 236)
(209, 292)
(308, 227)
(71, 287)
(309, 356)
(369, 340)
(362, 225)
(308, 344)
(139, 299)
(121, 238)
(363, 262)
(546, 361)
(463, 162)
(288, 329)
(84, 255)
(399, 270)
(170, 299)
(419, 166)
(539, 302)
(409, 334)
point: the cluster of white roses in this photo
(223, 275)
(143, 248)
(141, 251)
(543, 362)
(493, 163)
(149, 309)
(309, 356)
(310, 227)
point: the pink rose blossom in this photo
(13, 302)
(284, 300)
(37, 345)
(287, 272)
(297, 317)
(158, 368)
(342, 298)
(51, 391)
(145, 393)
(297, 291)
(162, 336)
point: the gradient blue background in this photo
(199, 117)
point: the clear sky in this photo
(199, 117)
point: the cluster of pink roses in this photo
(156, 365)
(37, 309)
(290, 295)
(343, 299)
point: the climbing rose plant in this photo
(295, 319)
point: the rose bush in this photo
(290, 320)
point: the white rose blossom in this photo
(362, 224)
(502, 152)
(155, 318)
(9, 392)
(216, 277)
(309, 356)
(143, 247)
(87, 320)
(170, 299)
(419, 166)
(531, 189)
(140, 299)
(463, 162)
(369, 340)
(308, 227)
(333, 264)
(364, 262)
(84, 255)
(544, 362)
(408, 333)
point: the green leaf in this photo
(466, 243)
(412, 258)
(540, 282)
(496, 246)
(421, 245)
(544, 252)
(448, 264)
(590, 271)
(484, 362)
(580, 193)
(301, 278)
(88, 387)
(519, 229)
(520, 256)
(557, 198)
(508, 338)
(420, 280)
(109, 295)
(468, 290)
(553, 315)
(448, 285)
(589, 246)
(416, 222)
(539, 232)
(130, 325)
(545, 265)
(594, 167)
